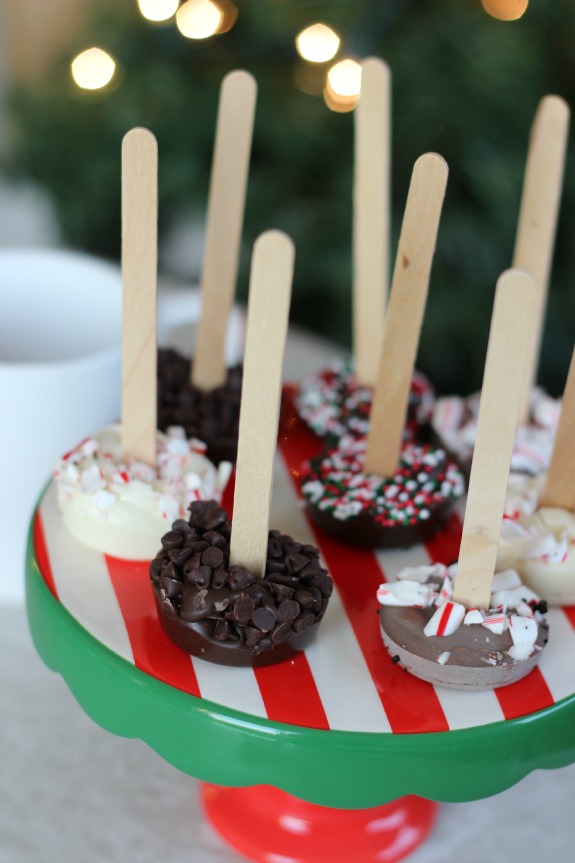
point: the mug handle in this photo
(179, 307)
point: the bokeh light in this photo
(344, 78)
(158, 10)
(318, 43)
(199, 19)
(505, 10)
(343, 86)
(93, 69)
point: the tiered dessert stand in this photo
(334, 755)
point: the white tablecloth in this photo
(70, 792)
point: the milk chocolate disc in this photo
(478, 658)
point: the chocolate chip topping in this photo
(192, 574)
(212, 416)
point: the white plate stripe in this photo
(347, 692)
(468, 709)
(558, 661)
(83, 582)
(349, 698)
(231, 687)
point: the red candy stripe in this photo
(290, 693)
(41, 552)
(444, 619)
(444, 546)
(570, 614)
(153, 651)
(526, 696)
(228, 494)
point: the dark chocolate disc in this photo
(333, 404)
(370, 511)
(224, 613)
(211, 417)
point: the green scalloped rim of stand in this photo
(349, 770)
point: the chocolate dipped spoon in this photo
(380, 492)
(455, 418)
(337, 400)
(119, 488)
(541, 545)
(478, 631)
(202, 394)
(236, 593)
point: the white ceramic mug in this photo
(60, 373)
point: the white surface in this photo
(73, 793)
(59, 375)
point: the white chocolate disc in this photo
(455, 422)
(541, 547)
(124, 508)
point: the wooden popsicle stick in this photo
(371, 216)
(405, 313)
(511, 321)
(267, 321)
(139, 286)
(559, 489)
(538, 215)
(224, 221)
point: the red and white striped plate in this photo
(345, 680)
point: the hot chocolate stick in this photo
(405, 313)
(139, 278)
(371, 199)
(507, 352)
(224, 225)
(559, 490)
(538, 218)
(268, 311)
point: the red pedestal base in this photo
(269, 826)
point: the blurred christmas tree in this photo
(464, 84)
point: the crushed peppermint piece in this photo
(505, 580)
(473, 616)
(524, 635)
(497, 623)
(519, 602)
(104, 499)
(96, 468)
(92, 479)
(446, 619)
(509, 598)
(421, 573)
(406, 593)
(455, 422)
